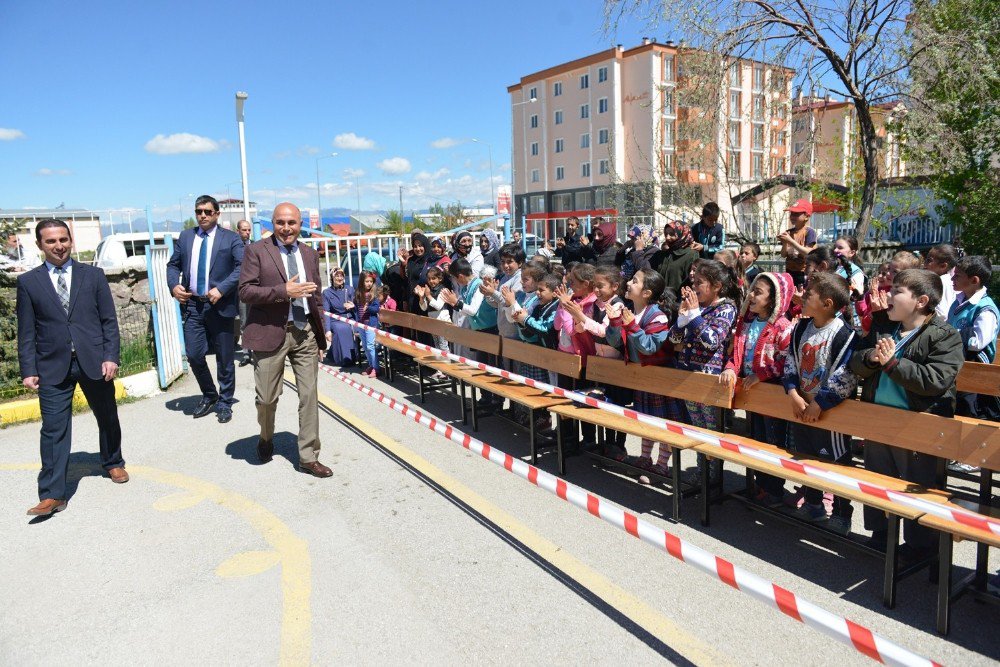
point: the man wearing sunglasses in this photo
(203, 275)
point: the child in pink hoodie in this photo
(582, 297)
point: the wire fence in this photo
(137, 349)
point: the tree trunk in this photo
(869, 157)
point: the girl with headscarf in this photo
(489, 244)
(675, 259)
(338, 299)
(416, 268)
(465, 248)
(605, 234)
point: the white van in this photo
(126, 250)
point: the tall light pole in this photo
(180, 209)
(513, 168)
(229, 194)
(241, 99)
(493, 196)
(319, 201)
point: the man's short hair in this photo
(905, 259)
(246, 222)
(552, 281)
(831, 286)
(976, 266)
(944, 252)
(921, 282)
(50, 222)
(207, 199)
(514, 251)
(573, 217)
(710, 209)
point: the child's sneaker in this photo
(641, 462)
(764, 498)
(793, 500)
(812, 513)
(615, 452)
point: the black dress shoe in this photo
(205, 407)
(245, 361)
(224, 414)
(265, 450)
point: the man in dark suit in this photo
(203, 274)
(245, 230)
(280, 283)
(67, 334)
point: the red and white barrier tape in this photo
(965, 517)
(839, 628)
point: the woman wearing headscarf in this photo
(416, 268)
(338, 299)
(675, 259)
(604, 236)
(489, 244)
(374, 263)
(465, 248)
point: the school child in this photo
(607, 343)
(535, 318)
(975, 316)
(732, 260)
(909, 360)
(468, 307)
(757, 354)
(941, 259)
(388, 303)
(704, 322)
(511, 262)
(644, 334)
(367, 304)
(845, 250)
(749, 253)
(436, 308)
(817, 378)
(580, 292)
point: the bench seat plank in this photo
(610, 420)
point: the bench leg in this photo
(675, 472)
(945, 547)
(560, 427)
(461, 397)
(531, 436)
(475, 409)
(891, 561)
(705, 501)
(982, 550)
(420, 379)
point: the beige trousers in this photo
(302, 352)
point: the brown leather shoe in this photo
(118, 475)
(47, 506)
(315, 468)
(265, 450)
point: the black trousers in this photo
(56, 403)
(906, 465)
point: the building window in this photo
(798, 125)
(758, 137)
(602, 74)
(584, 111)
(783, 112)
(668, 134)
(668, 68)
(534, 121)
(734, 104)
(758, 107)
(734, 76)
(557, 89)
(559, 145)
(668, 101)
(533, 94)
(603, 167)
(758, 78)
(584, 81)
(777, 138)
(560, 173)
(602, 136)
(668, 164)
(534, 176)
(798, 147)
(733, 171)
(559, 118)
(602, 105)
(563, 202)
(758, 167)
(734, 134)
(537, 203)
(585, 140)
(585, 170)
(601, 197)
(584, 200)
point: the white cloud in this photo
(352, 142)
(394, 165)
(351, 172)
(428, 176)
(45, 171)
(446, 142)
(183, 142)
(10, 134)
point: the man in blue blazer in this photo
(203, 274)
(67, 334)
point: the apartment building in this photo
(826, 140)
(631, 132)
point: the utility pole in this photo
(401, 203)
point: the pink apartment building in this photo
(620, 121)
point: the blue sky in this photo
(114, 104)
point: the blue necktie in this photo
(202, 264)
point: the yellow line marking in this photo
(632, 607)
(248, 563)
(293, 552)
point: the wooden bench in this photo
(684, 385)
(401, 320)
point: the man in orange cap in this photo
(798, 241)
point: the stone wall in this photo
(130, 291)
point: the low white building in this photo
(85, 226)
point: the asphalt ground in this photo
(415, 551)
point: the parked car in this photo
(126, 250)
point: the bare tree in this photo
(857, 49)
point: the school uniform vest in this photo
(964, 315)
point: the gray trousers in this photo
(906, 465)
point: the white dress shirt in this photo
(195, 251)
(297, 256)
(54, 277)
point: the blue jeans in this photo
(368, 345)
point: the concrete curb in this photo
(139, 385)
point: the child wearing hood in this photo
(581, 294)
(757, 353)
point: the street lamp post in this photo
(180, 210)
(241, 98)
(513, 167)
(319, 201)
(493, 196)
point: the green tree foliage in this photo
(190, 223)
